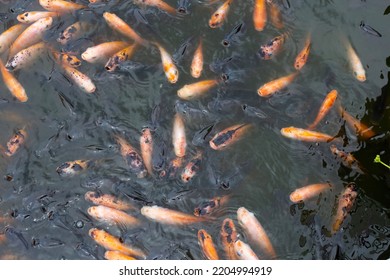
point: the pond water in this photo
(44, 215)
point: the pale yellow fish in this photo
(170, 69)
(10, 35)
(355, 62)
(103, 51)
(305, 134)
(13, 85)
(81, 80)
(276, 85)
(255, 231)
(309, 191)
(179, 139)
(60, 6)
(197, 61)
(169, 216)
(31, 35)
(112, 216)
(146, 144)
(32, 16)
(196, 90)
(244, 251)
(25, 57)
(108, 200)
(74, 32)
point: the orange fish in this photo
(272, 48)
(254, 231)
(112, 243)
(159, 4)
(29, 17)
(169, 67)
(10, 35)
(244, 251)
(276, 85)
(228, 136)
(74, 32)
(229, 237)
(122, 27)
(146, 144)
(71, 168)
(119, 57)
(345, 203)
(303, 55)
(220, 15)
(66, 59)
(80, 79)
(192, 168)
(31, 35)
(347, 159)
(260, 15)
(275, 15)
(112, 216)
(179, 139)
(168, 216)
(355, 63)
(308, 192)
(25, 57)
(197, 61)
(131, 157)
(305, 134)
(60, 6)
(115, 255)
(360, 128)
(209, 206)
(108, 200)
(102, 51)
(196, 90)
(327, 104)
(207, 245)
(174, 165)
(15, 142)
(13, 84)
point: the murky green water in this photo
(47, 214)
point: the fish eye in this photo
(225, 43)
(216, 15)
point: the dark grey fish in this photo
(235, 35)
(191, 113)
(184, 49)
(369, 29)
(254, 112)
(225, 105)
(203, 136)
(183, 6)
(12, 233)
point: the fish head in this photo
(172, 74)
(360, 76)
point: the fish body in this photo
(107, 200)
(71, 168)
(305, 134)
(197, 61)
(168, 216)
(16, 141)
(119, 57)
(229, 237)
(308, 192)
(360, 128)
(179, 139)
(344, 205)
(74, 32)
(31, 35)
(303, 55)
(159, 4)
(32, 16)
(276, 85)
(207, 245)
(326, 105)
(13, 85)
(102, 51)
(347, 159)
(275, 14)
(10, 35)
(355, 62)
(219, 16)
(112, 216)
(234, 35)
(79, 79)
(255, 231)
(146, 144)
(244, 251)
(112, 243)
(116, 255)
(191, 169)
(228, 136)
(196, 90)
(25, 57)
(272, 48)
(260, 15)
(122, 27)
(60, 6)
(131, 157)
(169, 67)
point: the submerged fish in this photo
(179, 139)
(60, 6)
(207, 245)
(326, 105)
(13, 85)
(71, 168)
(244, 251)
(79, 79)
(255, 231)
(345, 203)
(276, 85)
(305, 134)
(360, 128)
(169, 216)
(259, 15)
(355, 62)
(229, 237)
(192, 168)
(169, 67)
(15, 142)
(196, 90)
(108, 200)
(234, 36)
(219, 16)
(120, 57)
(347, 159)
(272, 48)
(228, 136)
(112, 243)
(159, 4)
(146, 145)
(275, 14)
(308, 192)
(209, 206)
(25, 57)
(369, 29)
(131, 157)
(32, 16)
(197, 61)
(74, 32)
(303, 55)
(112, 216)
(102, 51)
